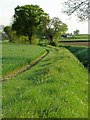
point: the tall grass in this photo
(82, 53)
(57, 87)
(15, 56)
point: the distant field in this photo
(80, 37)
(77, 43)
(57, 87)
(15, 56)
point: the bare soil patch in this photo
(78, 43)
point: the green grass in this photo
(80, 37)
(15, 56)
(57, 87)
(82, 53)
(0, 59)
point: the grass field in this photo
(15, 56)
(57, 87)
(82, 53)
(80, 37)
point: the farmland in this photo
(87, 44)
(77, 38)
(57, 87)
(15, 56)
(81, 36)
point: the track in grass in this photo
(25, 68)
(16, 56)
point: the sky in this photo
(52, 7)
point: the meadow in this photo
(57, 87)
(77, 38)
(81, 36)
(15, 56)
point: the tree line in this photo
(30, 22)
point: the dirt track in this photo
(78, 43)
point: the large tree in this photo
(52, 29)
(27, 18)
(55, 28)
(81, 8)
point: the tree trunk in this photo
(51, 39)
(30, 37)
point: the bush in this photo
(23, 39)
(35, 40)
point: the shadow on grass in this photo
(82, 53)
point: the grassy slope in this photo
(56, 87)
(82, 53)
(15, 56)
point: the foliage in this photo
(53, 88)
(10, 33)
(15, 56)
(80, 7)
(23, 39)
(76, 32)
(8, 30)
(27, 18)
(35, 40)
(54, 29)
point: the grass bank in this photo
(57, 87)
(82, 53)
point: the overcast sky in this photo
(52, 7)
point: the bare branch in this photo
(79, 7)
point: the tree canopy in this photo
(81, 8)
(55, 28)
(27, 18)
(10, 33)
(76, 32)
(52, 29)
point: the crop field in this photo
(87, 44)
(57, 87)
(80, 37)
(15, 56)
